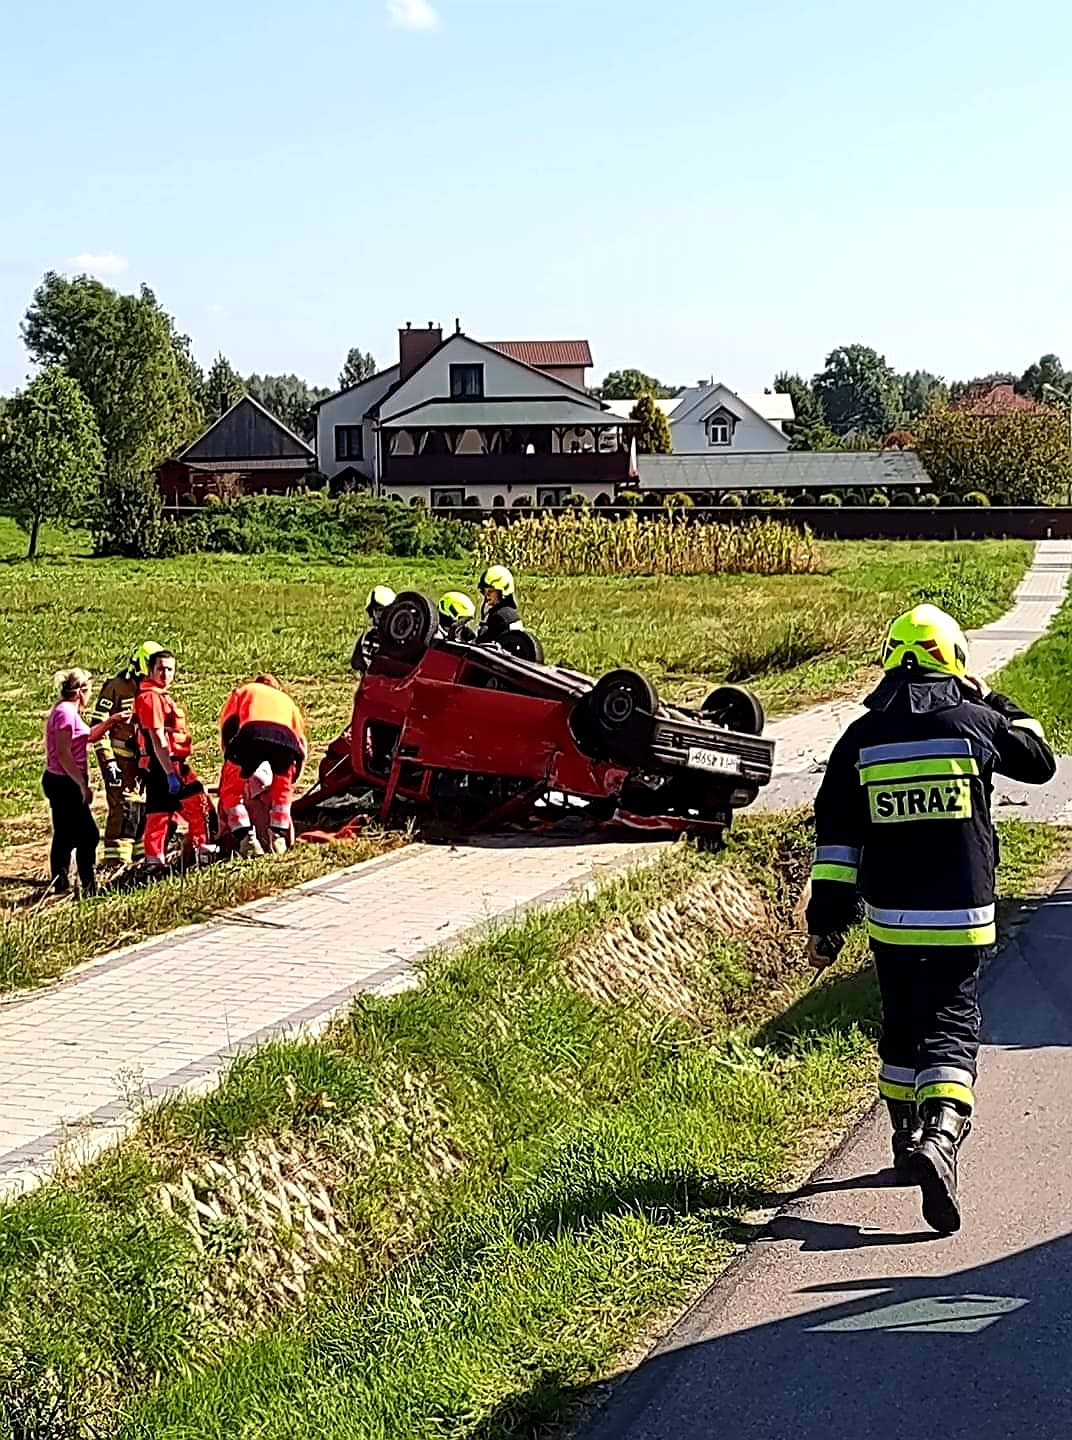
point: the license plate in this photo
(716, 760)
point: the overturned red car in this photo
(480, 736)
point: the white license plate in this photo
(716, 760)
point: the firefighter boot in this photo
(907, 1130)
(933, 1165)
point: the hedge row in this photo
(316, 525)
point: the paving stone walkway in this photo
(77, 1059)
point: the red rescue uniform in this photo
(156, 709)
(258, 724)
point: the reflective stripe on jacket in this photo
(902, 817)
(117, 694)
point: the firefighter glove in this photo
(174, 784)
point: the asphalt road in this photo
(849, 1319)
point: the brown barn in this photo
(246, 452)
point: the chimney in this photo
(415, 346)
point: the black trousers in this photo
(74, 831)
(930, 1006)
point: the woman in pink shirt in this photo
(66, 782)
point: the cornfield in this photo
(585, 544)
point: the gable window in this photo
(720, 428)
(349, 442)
(466, 382)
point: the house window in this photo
(349, 442)
(720, 429)
(447, 499)
(549, 497)
(466, 382)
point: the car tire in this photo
(408, 627)
(735, 708)
(622, 707)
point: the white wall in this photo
(751, 433)
(485, 494)
(348, 408)
(503, 378)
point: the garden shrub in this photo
(316, 525)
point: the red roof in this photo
(546, 353)
(995, 400)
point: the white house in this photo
(710, 418)
(459, 422)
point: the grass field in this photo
(602, 1159)
(796, 639)
(1041, 680)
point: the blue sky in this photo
(698, 187)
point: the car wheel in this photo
(408, 626)
(735, 708)
(523, 644)
(623, 705)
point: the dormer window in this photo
(720, 428)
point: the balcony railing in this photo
(464, 471)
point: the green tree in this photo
(803, 431)
(1046, 371)
(138, 375)
(920, 392)
(290, 399)
(50, 454)
(223, 387)
(858, 391)
(359, 366)
(631, 384)
(1023, 454)
(133, 368)
(653, 436)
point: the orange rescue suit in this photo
(258, 716)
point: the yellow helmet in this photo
(379, 597)
(139, 661)
(927, 637)
(497, 577)
(454, 606)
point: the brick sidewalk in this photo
(76, 1059)
(170, 1013)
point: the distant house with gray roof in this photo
(709, 418)
(812, 470)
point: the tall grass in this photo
(581, 543)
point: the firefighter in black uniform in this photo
(368, 643)
(902, 822)
(499, 613)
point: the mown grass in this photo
(609, 1152)
(799, 638)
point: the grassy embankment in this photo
(796, 639)
(528, 1161)
(1041, 680)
